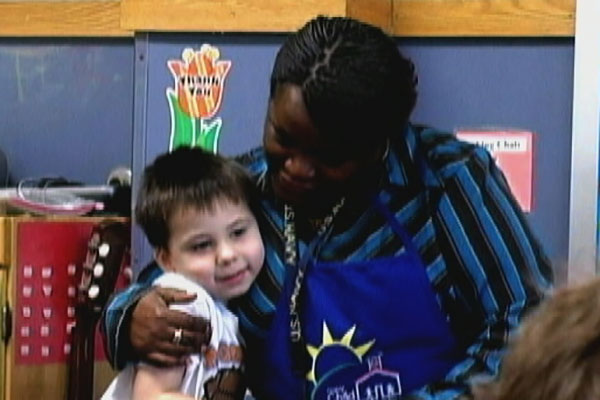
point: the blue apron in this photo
(370, 330)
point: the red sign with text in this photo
(513, 153)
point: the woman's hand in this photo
(153, 328)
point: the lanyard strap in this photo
(291, 259)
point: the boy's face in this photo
(220, 248)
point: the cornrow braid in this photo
(354, 79)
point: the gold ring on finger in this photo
(177, 336)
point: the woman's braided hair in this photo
(353, 78)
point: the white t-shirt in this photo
(224, 351)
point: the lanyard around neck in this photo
(291, 259)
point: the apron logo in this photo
(341, 371)
(341, 348)
(378, 383)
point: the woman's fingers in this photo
(164, 336)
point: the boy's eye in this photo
(239, 231)
(201, 246)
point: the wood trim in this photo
(61, 18)
(107, 18)
(376, 12)
(484, 17)
(224, 15)
(5, 241)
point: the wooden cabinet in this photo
(41, 261)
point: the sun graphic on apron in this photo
(344, 345)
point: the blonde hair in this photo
(556, 354)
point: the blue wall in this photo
(507, 83)
(66, 107)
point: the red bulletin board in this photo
(49, 262)
(513, 152)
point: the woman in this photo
(397, 258)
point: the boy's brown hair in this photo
(556, 354)
(188, 177)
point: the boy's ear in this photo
(162, 258)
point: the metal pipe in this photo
(82, 191)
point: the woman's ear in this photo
(162, 258)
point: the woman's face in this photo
(306, 170)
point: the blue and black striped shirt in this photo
(484, 263)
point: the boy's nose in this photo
(226, 254)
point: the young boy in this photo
(196, 210)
